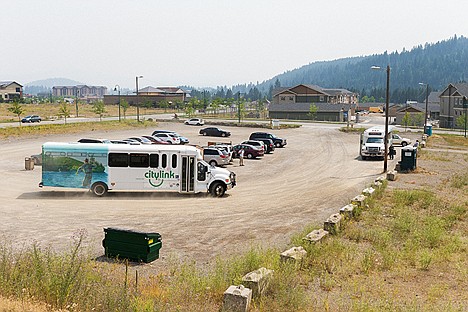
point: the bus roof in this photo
(123, 148)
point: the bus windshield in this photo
(374, 140)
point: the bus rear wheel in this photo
(99, 189)
(218, 189)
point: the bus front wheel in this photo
(218, 189)
(99, 189)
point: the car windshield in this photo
(374, 140)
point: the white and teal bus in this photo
(157, 168)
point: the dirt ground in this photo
(302, 184)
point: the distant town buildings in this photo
(10, 90)
(80, 91)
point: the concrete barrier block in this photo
(257, 281)
(294, 254)
(333, 224)
(359, 200)
(316, 236)
(377, 185)
(380, 179)
(237, 299)
(349, 211)
(391, 175)
(368, 191)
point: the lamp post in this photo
(76, 102)
(115, 89)
(238, 107)
(387, 98)
(427, 99)
(137, 104)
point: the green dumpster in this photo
(408, 158)
(132, 245)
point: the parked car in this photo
(155, 140)
(398, 140)
(256, 143)
(182, 139)
(195, 122)
(31, 119)
(213, 131)
(215, 157)
(279, 142)
(168, 137)
(227, 148)
(269, 145)
(142, 140)
(37, 158)
(249, 151)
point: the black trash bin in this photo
(408, 158)
(132, 245)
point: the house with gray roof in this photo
(10, 90)
(451, 104)
(295, 102)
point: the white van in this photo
(372, 142)
(156, 168)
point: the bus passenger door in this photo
(187, 184)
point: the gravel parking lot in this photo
(313, 176)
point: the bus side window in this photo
(118, 160)
(154, 160)
(174, 161)
(139, 160)
(164, 161)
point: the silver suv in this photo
(215, 157)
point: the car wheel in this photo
(213, 163)
(223, 134)
(250, 156)
(218, 189)
(364, 157)
(404, 144)
(278, 144)
(99, 189)
(204, 133)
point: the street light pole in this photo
(76, 103)
(427, 99)
(137, 104)
(238, 107)
(115, 89)
(387, 100)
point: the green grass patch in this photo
(68, 128)
(352, 129)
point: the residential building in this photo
(10, 90)
(294, 103)
(415, 115)
(81, 91)
(151, 95)
(451, 104)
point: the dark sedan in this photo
(31, 118)
(213, 131)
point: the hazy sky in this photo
(207, 42)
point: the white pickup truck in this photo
(398, 140)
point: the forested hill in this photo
(436, 64)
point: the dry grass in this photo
(51, 111)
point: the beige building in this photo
(10, 90)
(313, 94)
(152, 95)
(81, 91)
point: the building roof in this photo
(461, 88)
(4, 84)
(434, 97)
(305, 107)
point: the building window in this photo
(322, 99)
(18, 90)
(282, 98)
(291, 98)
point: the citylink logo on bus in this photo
(159, 177)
